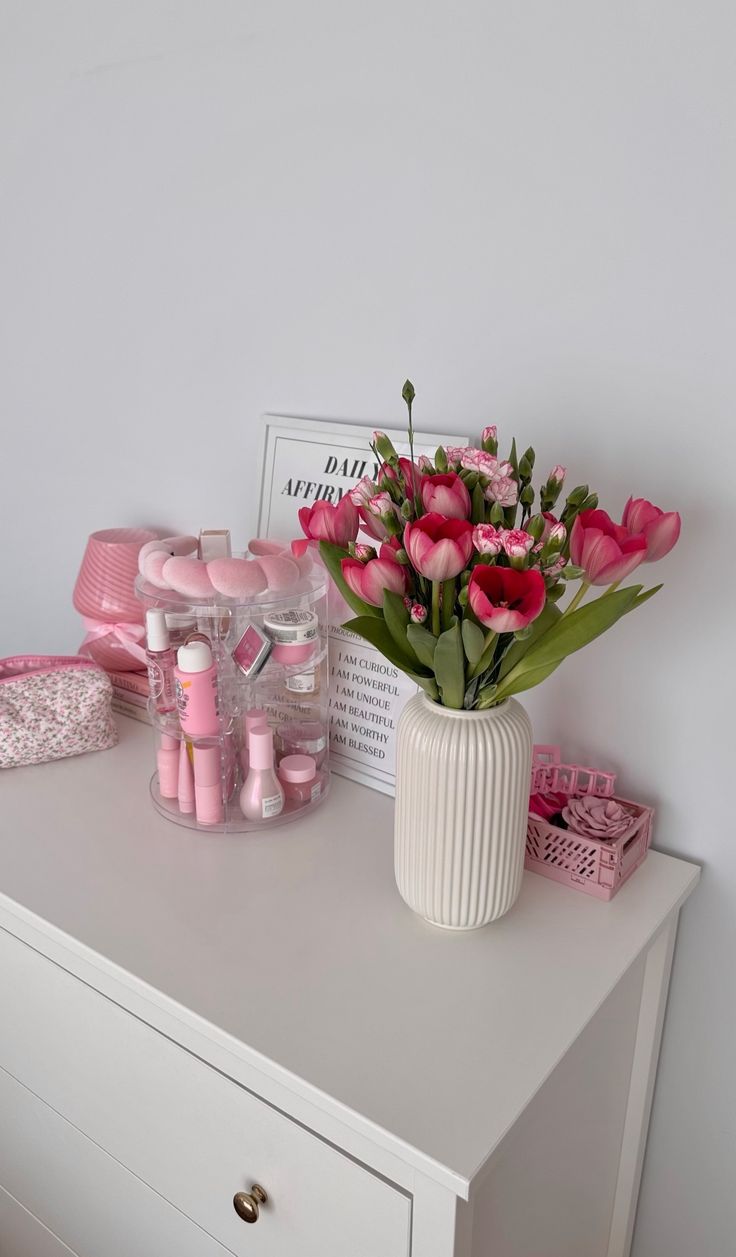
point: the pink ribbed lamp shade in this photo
(104, 588)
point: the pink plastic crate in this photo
(588, 864)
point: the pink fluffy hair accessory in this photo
(237, 578)
(166, 545)
(188, 576)
(281, 572)
(260, 546)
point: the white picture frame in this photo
(302, 461)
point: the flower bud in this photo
(489, 439)
(440, 460)
(536, 526)
(578, 496)
(526, 497)
(363, 553)
(418, 613)
(384, 448)
(496, 513)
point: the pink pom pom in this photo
(188, 576)
(153, 567)
(237, 578)
(280, 571)
(166, 545)
(261, 545)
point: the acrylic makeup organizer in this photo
(294, 697)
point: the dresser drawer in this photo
(193, 1135)
(87, 1200)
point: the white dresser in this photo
(183, 1017)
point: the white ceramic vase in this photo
(462, 799)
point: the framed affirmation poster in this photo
(305, 460)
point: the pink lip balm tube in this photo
(185, 788)
(208, 785)
(167, 760)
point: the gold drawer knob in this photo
(246, 1204)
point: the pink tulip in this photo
(439, 548)
(506, 600)
(445, 495)
(487, 539)
(606, 551)
(325, 522)
(368, 580)
(503, 490)
(660, 529)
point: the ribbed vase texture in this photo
(462, 799)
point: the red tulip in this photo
(504, 599)
(439, 548)
(445, 495)
(325, 522)
(368, 580)
(660, 529)
(607, 552)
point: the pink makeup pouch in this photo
(52, 706)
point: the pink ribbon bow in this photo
(128, 635)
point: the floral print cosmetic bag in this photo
(52, 706)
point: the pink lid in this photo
(260, 747)
(253, 718)
(297, 768)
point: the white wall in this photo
(213, 209)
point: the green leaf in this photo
(478, 509)
(490, 642)
(526, 681)
(571, 572)
(487, 697)
(449, 667)
(376, 632)
(331, 557)
(543, 623)
(423, 644)
(397, 618)
(642, 598)
(570, 633)
(473, 640)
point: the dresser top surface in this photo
(296, 944)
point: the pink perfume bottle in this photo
(160, 661)
(262, 795)
(196, 690)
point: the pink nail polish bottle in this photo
(262, 795)
(167, 761)
(207, 785)
(196, 690)
(160, 661)
(185, 789)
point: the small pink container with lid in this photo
(207, 785)
(294, 635)
(300, 779)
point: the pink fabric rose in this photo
(487, 539)
(439, 548)
(506, 600)
(368, 580)
(445, 495)
(325, 522)
(547, 805)
(597, 818)
(660, 529)
(605, 551)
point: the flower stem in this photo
(584, 587)
(436, 594)
(448, 602)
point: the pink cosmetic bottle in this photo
(167, 761)
(196, 690)
(251, 720)
(300, 779)
(207, 785)
(185, 784)
(160, 660)
(262, 795)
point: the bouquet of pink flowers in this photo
(461, 587)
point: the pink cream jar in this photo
(300, 780)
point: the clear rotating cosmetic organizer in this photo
(263, 699)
